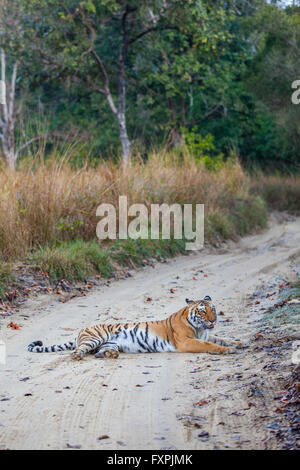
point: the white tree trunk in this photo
(7, 115)
(126, 146)
(121, 113)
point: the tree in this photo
(93, 41)
(195, 68)
(14, 51)
(275, 34)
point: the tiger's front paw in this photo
(231, 350)
(240, 345)
(77, 355)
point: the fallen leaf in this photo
(200, 403)
(279, 410)
(258, 335)
(13, 326)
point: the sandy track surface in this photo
(145, 401)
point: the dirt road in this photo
(145, 401)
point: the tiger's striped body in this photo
(185, 331)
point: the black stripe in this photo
(135, 329)
(147, 332)
(132, 336)
(142, 346)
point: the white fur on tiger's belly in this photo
(130, 342)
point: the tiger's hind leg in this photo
(86, 346)
(108, 350)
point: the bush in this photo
(72, 260)
(281, 193)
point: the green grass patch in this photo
(79, 259)
(218, 227)
(137, 250)
(72, 260)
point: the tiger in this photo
(186, 331)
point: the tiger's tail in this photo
(37, 346)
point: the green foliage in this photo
(77, 260)
(203, 149)
(191, 69)
(72, 260)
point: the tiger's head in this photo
(202, 314)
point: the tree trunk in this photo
(121, 116)
(7, 117)
(126, 146)
(8, 147)
(121, 112)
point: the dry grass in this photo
(281, 193)
(52, 202)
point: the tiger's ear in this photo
(188, 301)
(207, 297)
